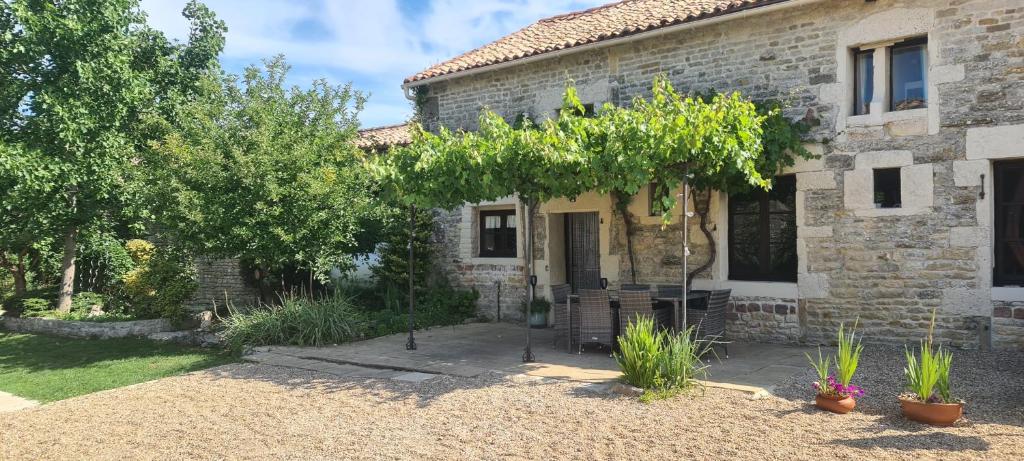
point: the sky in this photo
(375, 44)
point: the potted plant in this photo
(930, 400)
(835, 392)
(539, 313)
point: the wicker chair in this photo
(710, 322)
(633, 304)
(595, 318)
(563, 318)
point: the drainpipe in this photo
(686, 247)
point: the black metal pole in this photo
(411, 343)
(531, 279)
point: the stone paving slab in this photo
(10, 402)
(474, 349)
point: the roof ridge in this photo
(382, 127)
(583, 12)
(600, 23)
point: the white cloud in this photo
(368, 42)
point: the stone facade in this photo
(889, 268)
(220, 281)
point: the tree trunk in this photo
(17, 270)
(67, 282)
(702, 210)
(622, 204)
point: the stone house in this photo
(914, 204)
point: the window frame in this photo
(857, 83)
(890, 89)
(763, 272)
(999, 274)
(503, 233)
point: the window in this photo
(653, 200)
(498, 234)
(863, 81)
(887, 188)
(1009, 221)
(588, 111)
(908, 72)
(762, 233)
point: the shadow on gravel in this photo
(382, 389)
(912, 442)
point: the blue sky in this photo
(374, 44)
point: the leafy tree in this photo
(267, 173)
(84, 82)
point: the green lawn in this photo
(45, 368)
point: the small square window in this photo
(908, 75)
(863, 81)
(887, 188)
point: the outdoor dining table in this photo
(678, 315)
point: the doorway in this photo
(582, 250)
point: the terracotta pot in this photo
(936, 414)
(835, 404)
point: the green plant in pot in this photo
(836, 392)
(539, 312)
(929, 399)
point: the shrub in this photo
(660, 361)
(639, 351)
(297, 321)
(160, 284)
(680, 362)
(32, 302)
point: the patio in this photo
(474, 349)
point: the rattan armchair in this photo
(633, 304)
(564, 319)
(710, 322)
(595, 318)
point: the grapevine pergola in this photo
(721, 142)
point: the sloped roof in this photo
(597, 24)
(382, 137)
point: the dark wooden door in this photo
(583, 256)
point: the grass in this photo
(46, 369)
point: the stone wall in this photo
(889, 268)
(220, 281)
(76, 329)
(762, 319)
(1008, 325)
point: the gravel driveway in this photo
(249, 411)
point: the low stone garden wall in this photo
(77, 329)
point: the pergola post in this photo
(411, 343)
(686, 235)
(531, 279)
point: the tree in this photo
(26, 181)
(267, 173)
(84, 82)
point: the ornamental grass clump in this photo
(658, 361)
(838, 385)
(297, 321)
(927, 373)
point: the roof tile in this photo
(589, 26)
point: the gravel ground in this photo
(249, 411)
